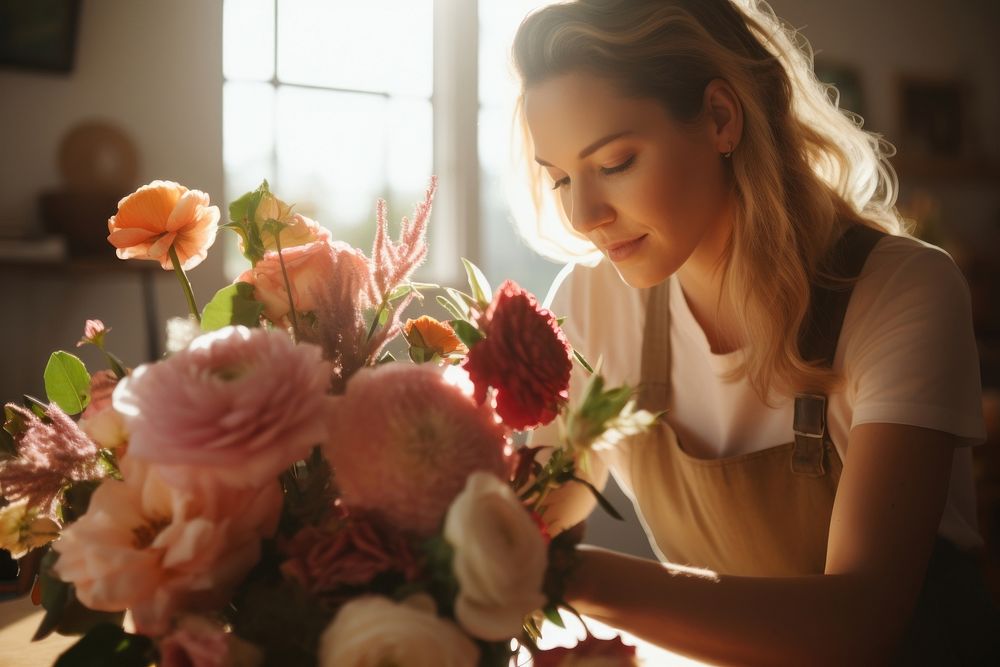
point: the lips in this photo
(622, 250)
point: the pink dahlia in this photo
(154, 548)
(402, 441)
(525, 358)
(241, 403)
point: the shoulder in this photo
(908, 349)
(604, 316)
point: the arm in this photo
(885, 517)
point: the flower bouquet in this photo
(279, 489)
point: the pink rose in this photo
(151, 547)
(240, 403)
(312, 270)
(199, 642)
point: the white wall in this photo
(154, 69)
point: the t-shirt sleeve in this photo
(911, 355)
(560, 302)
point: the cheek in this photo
(681, 193)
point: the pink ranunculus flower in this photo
(312, 269)
(242, 404)
(201, 642)
(154, 548)
(402, 441)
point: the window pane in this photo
(376, 45)
(247, 146)
(248, 39)
(505, 254)
(331, 157)
(498, 21)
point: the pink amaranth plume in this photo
(49, 455)
(395, 262)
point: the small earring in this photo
(730, 153)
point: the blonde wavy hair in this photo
(803, 171)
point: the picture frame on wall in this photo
(39, 35)
(934, 117)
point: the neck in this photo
(701, 282)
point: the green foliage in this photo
(282, 619)
(107, 645)
(67, 382)
(478, 283)
(233, 304)
(466, 332)
(605, 415)
(242, 213)
(76, 500)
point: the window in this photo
(338, 103)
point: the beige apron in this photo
(767, 513)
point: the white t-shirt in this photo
(907, 351)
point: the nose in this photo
(588, 209)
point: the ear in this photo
(724, 114)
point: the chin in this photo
(641, 277)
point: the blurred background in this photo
(337, 103)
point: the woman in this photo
(757, 286)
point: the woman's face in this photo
(647, 191)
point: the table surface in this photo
(18, 621)
(20, 618)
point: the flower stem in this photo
(288, 286)
(185, 283)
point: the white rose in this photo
(21, 529)
(500, 558)
(374, 630)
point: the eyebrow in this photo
(592, 147)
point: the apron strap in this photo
(654, 382)
(818, 337)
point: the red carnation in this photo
(525, 357)
(350, 554)
(605, 652)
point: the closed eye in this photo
(618, 168)
(607, 171)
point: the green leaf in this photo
(37, 407)
(466, 333)
(481, 289)
(13, 422)
(465, 302)
(582, 361)
(446, 303)
(601, 500)
(108, 645)
(8, 448)
(76, 500)
(552, 614)
(241, 216)
(232, 305)
(67, 382)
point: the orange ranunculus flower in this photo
(434, 336)
(160, 215)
